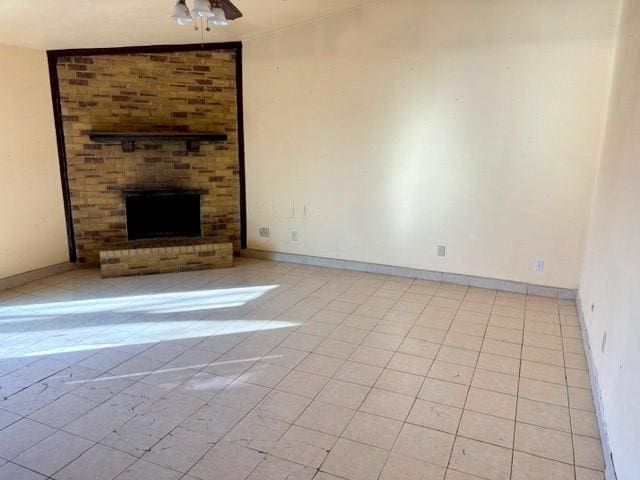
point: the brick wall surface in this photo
(181, 92)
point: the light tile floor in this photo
(272, 371)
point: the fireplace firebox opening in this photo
(162, 214)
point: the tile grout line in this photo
(201, 457)
(404, 422)
(61, 429)
(515, 420)
(99, 442)
(293, 423)
(566, 379)
(469, 386)
(377, 378)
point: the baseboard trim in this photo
(596, 393)
(35, 275)
(469, 280)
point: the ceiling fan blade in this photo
(230, 10)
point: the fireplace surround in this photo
(170, 93)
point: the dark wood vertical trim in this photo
(62, 153)
(243, 186)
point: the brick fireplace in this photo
(175, 92)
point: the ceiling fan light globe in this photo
(184, 21)
(202, 8)
(216, 23)
(218, 14)
(181, 13)
(180, 10)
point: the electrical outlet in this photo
(264, 232)
(539, 266)
(442, 250)
(294, 236)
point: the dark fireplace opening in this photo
(162, 214)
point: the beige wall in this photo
(611, 277)
(32, 226)
(408, 124)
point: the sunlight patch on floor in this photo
(171, 302)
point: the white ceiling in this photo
(56, 24)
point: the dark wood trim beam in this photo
(241, 150)
(62, 154)
(188, 47)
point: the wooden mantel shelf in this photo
(128, 139)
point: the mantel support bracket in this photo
(193, 146)
(128, 146)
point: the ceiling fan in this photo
(213, 12)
